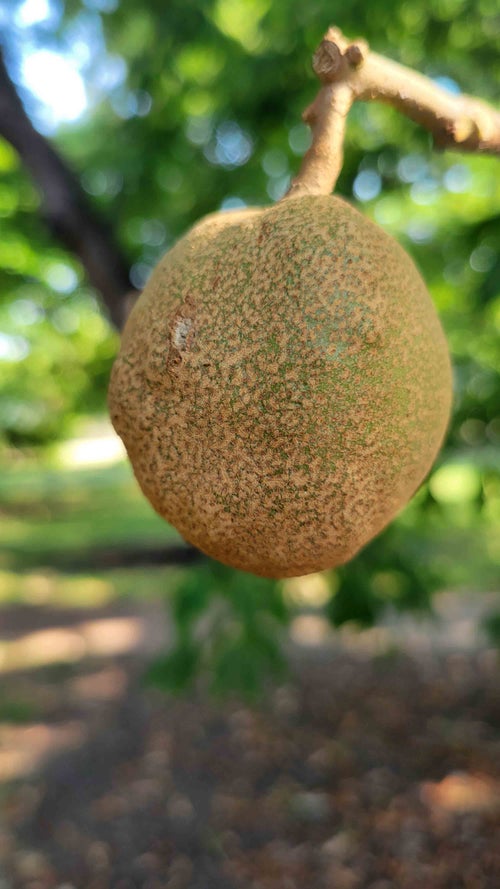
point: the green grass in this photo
(50, 515)
(18, 711)
(55, 520)
(47, 512)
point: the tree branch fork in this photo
(350, 71)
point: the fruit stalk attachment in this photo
(349, 71)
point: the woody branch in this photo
(349, 71)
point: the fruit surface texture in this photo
(283, 385)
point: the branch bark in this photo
(64, 205)
(350, 71)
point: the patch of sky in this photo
(139, 274)
(424, 192)
(13, 348)
(421, 232)
(127, 104)
(153, 233)
(57, 91)
(367, 185)
(446, 83)
(232, 202)
(277, 187)
(411, 168)
(299, 138)
(102, 182)
(275, 163)
(110, 74)
(34, 12)
(483, 258)
(65, 320)
(55, 81)
(60, 277)
(25, 312)
(232, 148)
(457, 179)
(105, 6)
(199, 130)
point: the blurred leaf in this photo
(190, 599)
(246, 664)
(176, 671)
(492, 627)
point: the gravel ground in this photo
(370, 767)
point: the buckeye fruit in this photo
(283, 385)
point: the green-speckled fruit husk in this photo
(283, 385)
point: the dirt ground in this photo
(375, 766)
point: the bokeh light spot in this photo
(56, 83)
(367, 185)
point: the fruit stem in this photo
(349, 71)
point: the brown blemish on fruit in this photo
(181, 329)
(182, 334)
(311, 393)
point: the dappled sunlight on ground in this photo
(361, 767)
(51, 587)
(24, 748)
(365, 765)
(98, 638)
(462, 792)
(103, 685)
(108, 637)
(311, 590)
(454, 625)
(310, 629)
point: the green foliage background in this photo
(194, 106)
